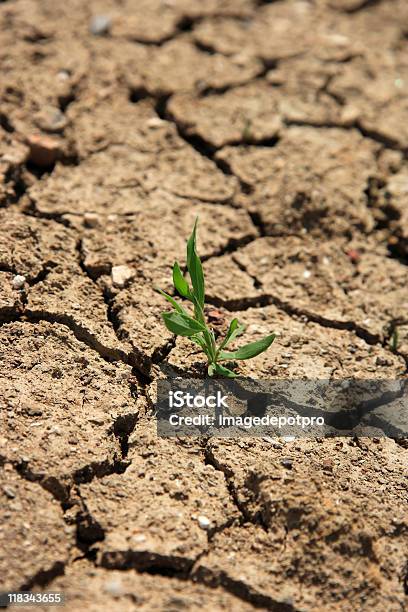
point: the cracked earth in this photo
(284, 126)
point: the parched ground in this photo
(284, 126)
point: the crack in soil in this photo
(365, 4)
(377, 199)
(147, 561)
(6, 124)
(81, 261)
(263, 300)
(161, 352)
(122, 428)
(60, 486)
(376, 136)
(42, 274)
(240, 589)
(80, 332)
(31, 211)
(246, 517)
(43, 577)
(89, 532)
(231, 246)
(267, 66)
(204, 147)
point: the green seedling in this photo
(182, 323)
(394, 342)
(247, 132)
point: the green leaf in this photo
(394, 340)
(199, 340)
(211, 369)
(234, 330)
(223, 371)
(180, 282)
(173, 302)
(195, 268)
(181, 324)
(249, 350)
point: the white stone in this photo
(114, 587)
(121, 275)
(18, 281)
(92, 219)
(100, 24)
(155, 122)
(63, 75)
(203, 522)
(138, 538)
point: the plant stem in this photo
(209, 338)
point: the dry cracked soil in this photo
(284, 126)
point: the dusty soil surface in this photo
(284, 126)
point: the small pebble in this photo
(100, 25)
(307, 274)
(63, 75)
(114, 587)
(97, 419)
(121, 275)
(44, 150)
(382, 361)
(272, 441)
(92, 220)
(18, 281)
(240, 59)
(155, 122)
(287, 463)
(50, 119)
(55, 430)
(338, 39)
(203, 522)
(139, 538)
(328, 465)
(9, 492)
(33, 411)
(350, 113)
(353, 255)
(215, 315)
